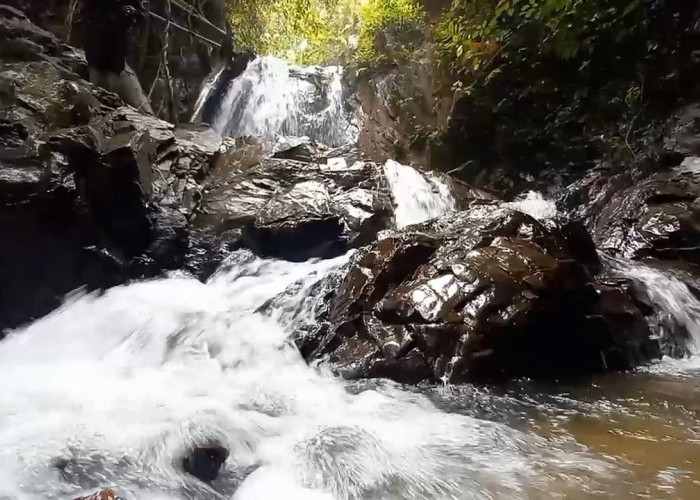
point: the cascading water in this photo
(110, 390)
(677, 307)
(535, 205)
(272, 98)
(418, 197)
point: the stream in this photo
(111, 389)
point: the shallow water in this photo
(109, 391)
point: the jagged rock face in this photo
(652, 217)
(190, 59)
(487, 292)
(80, 176)
(295, 209)
(396, 104)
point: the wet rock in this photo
(656, 216)
(683, 138)
(484, 293)
(92, 193)
(295, 209)
(204, 462)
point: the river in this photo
(111, 389)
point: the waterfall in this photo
(418, 197)
(272, 98)
(678, 309)
(207, 87)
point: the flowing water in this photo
(273, 98)
(418, 197)
(111, 389)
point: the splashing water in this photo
(678, 309)
(535, 205)
(272, 98)
(418, 197)
(110, 390)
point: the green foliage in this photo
(475, 32)
(301, 31)
(401, 21)
(327, 31)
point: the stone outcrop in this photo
(484, 293)
(91, 192)
(397, 105)
(298, 204)
(637, 217)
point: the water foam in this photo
(110, 389)
(676, 306)
(418, 197)
(535, 205)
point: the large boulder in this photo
(487, 292)
(654, 216)
(92, 193)
(297, 204)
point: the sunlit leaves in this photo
(301, 31)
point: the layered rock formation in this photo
(79, 178)
(488, 292)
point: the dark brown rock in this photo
(489, 292)
(204, 462)
(295, 209)
(654, 216)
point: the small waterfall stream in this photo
(418, 197)
(676, 305)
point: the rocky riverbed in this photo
(373, 270)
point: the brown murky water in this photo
(642, 429)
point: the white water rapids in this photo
(418, 197)
(115, 387)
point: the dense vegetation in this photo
(573, 80)
(322, 31)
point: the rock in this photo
(683, 137)
(295, 209)
(92, 193)
(656, 216)
(102, 495)
(204, 462)
(483, 293)
(398, 103)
